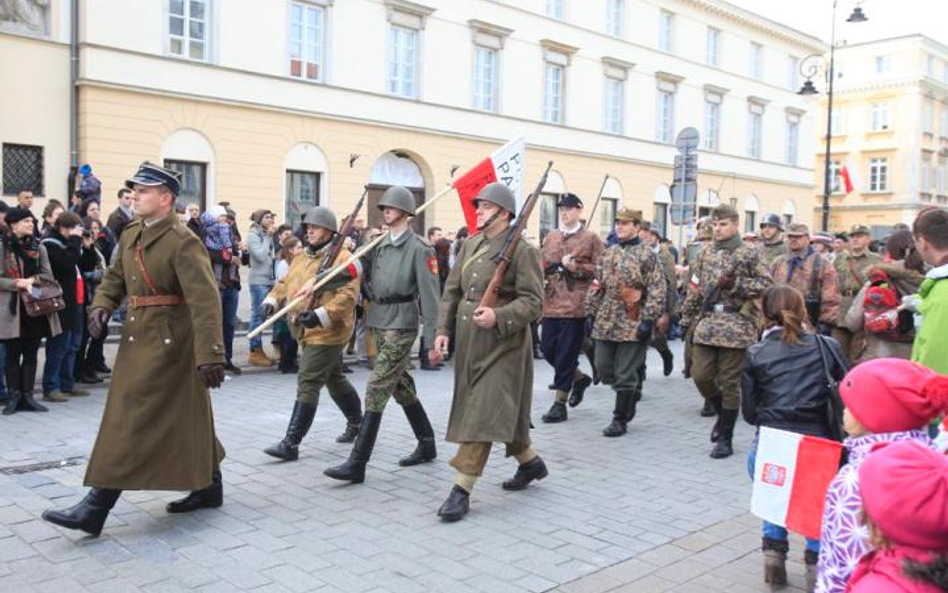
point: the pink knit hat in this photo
(904, 488)
(894, 395)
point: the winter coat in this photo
(118, 220)
(565, 291)
(883, 571)
(64, 255)
(843, 540)
(907, 282)
(799, 270)
(493, 368)
(10, 323)
(931, 348)
(334, 307)
(260, 246)
(784, 386)
(157, 431)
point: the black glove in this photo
(644, 332)
(824, 329)
(267, 310)
(309, 319)
(212, 375)
(97, 322)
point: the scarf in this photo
(796, 262)
(729, 244)
(25, 251)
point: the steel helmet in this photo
(498, 194)
(772, 220)
(398, 197)
(321, 216)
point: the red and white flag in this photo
(505, 165)
(847, 179)
(791, 476)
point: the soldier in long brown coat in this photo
(157, 432)
(493, 370)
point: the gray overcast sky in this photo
(887, 18)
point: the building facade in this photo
(308, 101)
(890, 132)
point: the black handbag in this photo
(834, 407)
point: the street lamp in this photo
(809, 66)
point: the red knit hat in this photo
(894, 395)
(904, 488)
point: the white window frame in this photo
(755, 130)
(836, 178)
(879, 117)
(666, 31)
(943, 121)
(883, 64)
(613, 115)
(793, 73)
(792, 141)
(755, 60)
(478, 98)
(838, 121)
(878, 174)
(322, 65)
(712, 47)
(556, 9)
(665, 116)
(928, 116)
(615, 17)
(209, 21)
(712, 122)
(394, 63)
(554, 62)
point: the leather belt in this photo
(395, 299)
(157, 300)
(475, 296)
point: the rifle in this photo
(602, 188)
(514, 234)
(337, 243)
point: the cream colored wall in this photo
(34, 105)
(119, 129)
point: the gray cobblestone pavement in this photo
(647, 512)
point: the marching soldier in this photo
(403, 272)
(813, 275)
(851, 267)
(651, 236)
(493, 373)
(157, 431)
(691, 255)
(322, 332)
(629, 299)
(569, 263)
(722, 307)
(772, 243)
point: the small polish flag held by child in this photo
(791, 476)
(506, 166)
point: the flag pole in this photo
(335, 271)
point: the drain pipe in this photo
(73, 99)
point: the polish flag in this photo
(791, 476)
(506, 166)
(847, 180)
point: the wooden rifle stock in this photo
(514, 235)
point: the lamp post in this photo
(809, 66)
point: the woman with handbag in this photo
(24, 266)
(788, 383)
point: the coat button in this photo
(131, 338)
(132, 318)
(167, 341)
(134, 278)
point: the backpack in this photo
(882, 316)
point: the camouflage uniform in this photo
(628, 276)
(722, 306)
(819, 287)
(851, 271)
(771, 251)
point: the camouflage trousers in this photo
(390, 376)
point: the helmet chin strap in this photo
(489, 221)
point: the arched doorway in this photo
(395, 168)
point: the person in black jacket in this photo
(65, 250)
(784, 387)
